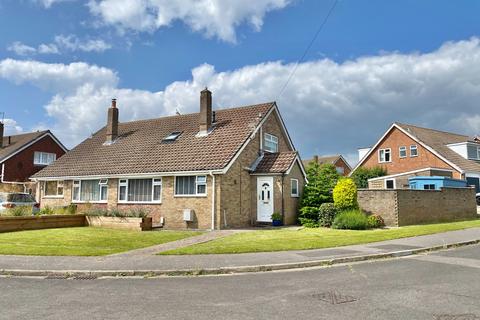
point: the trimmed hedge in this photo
(345, 194)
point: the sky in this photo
(373, 63)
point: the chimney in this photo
(112, 122)
(315, 158)
(1, 134)
(205, 111)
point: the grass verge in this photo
(284, 239)
(83, 241)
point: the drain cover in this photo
(468, 316)
(85, 277)
(56, 277)
(334, 297)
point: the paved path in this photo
(156, 262)
(211, 235)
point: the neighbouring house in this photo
(22, 155)
(208, 170)
(341, 165)
(407, 151)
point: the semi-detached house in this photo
(212, 169)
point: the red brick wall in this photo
(395, 139)
(20, 167)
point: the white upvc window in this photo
(270, 143)
(147, 190)
(190, 186)
(294, 188)
(402, 152)
(93, 190)
(413, 150)
(43, 158)
(385, 155)
(53, 189)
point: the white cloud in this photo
(11, 127)
(328, 107)
(48, 3)
(21, 49)
(213, 18)
(61, 44)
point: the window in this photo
(90, 190)
(270, 143)
(191, 185)
(390, 184)
(413, 151)
(340, 170)
(402, 152)
(294, 188)
(172, 136)
(140, 190)
(43, 158)
(384, 155)
(429, 187)
(53, 188)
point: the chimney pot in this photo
(205, 111)
(112, 122)
(1, 134)
(315, 158)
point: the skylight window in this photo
(172, 136)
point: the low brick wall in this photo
(401, 207)
(41, 222)
(138, 224)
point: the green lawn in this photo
(283, 239)
(83, 241)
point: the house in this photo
(22, 155)
(407, 151)
(342, 166)
(208, 170)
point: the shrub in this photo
(71, 209)
(276, 216)
(137, 213)
(375, 221)
(19, 211)
(326, 214)
(361, 175)
(46, 211)
(96, 212)
(318, 190)
(345, 194)
(353, 219)
(132, 213)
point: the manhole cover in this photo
(334, 297)
(85, 277)
(56, 277)
(468, 316)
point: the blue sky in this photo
(361, 74)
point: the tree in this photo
(345, 194)
(361, 175)
(321, 181)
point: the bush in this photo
(361, 175)
(46, 211)
(96, 212)
(309, 217)
(375, 221)
(276, 216)
(345, 194)
(18, 211)
(132, 213)
(327, 214)
(353, 219)
(71, 209)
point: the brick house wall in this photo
(235, 196)
(20, 167)
(395, 139)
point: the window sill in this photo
(190, 196)
(139, 202)
(82, 202)
(53, 197)
(294, 196)
(385, 161)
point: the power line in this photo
(308, 47)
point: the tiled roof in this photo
(438, 141)
(140, 150)
(275, 162)
(323, 160)
(17, 142)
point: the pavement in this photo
(441, 285)
(150, 264)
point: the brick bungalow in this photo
(407, 150)
(22, 155)
(341, 165)
(208, 170)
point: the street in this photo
(442, 285)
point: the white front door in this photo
(264, 199)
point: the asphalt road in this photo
(444, 285)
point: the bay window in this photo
(90, 190)
(190, 185)
(140, 190)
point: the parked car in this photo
(11, 200)
(478, 199)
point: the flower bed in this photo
(17, 223)
(139, 224)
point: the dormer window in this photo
(270, 143)
(172, 136)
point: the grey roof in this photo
(11, 144)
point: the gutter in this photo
(213, 199)
(12, 182)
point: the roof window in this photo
(172, 136)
